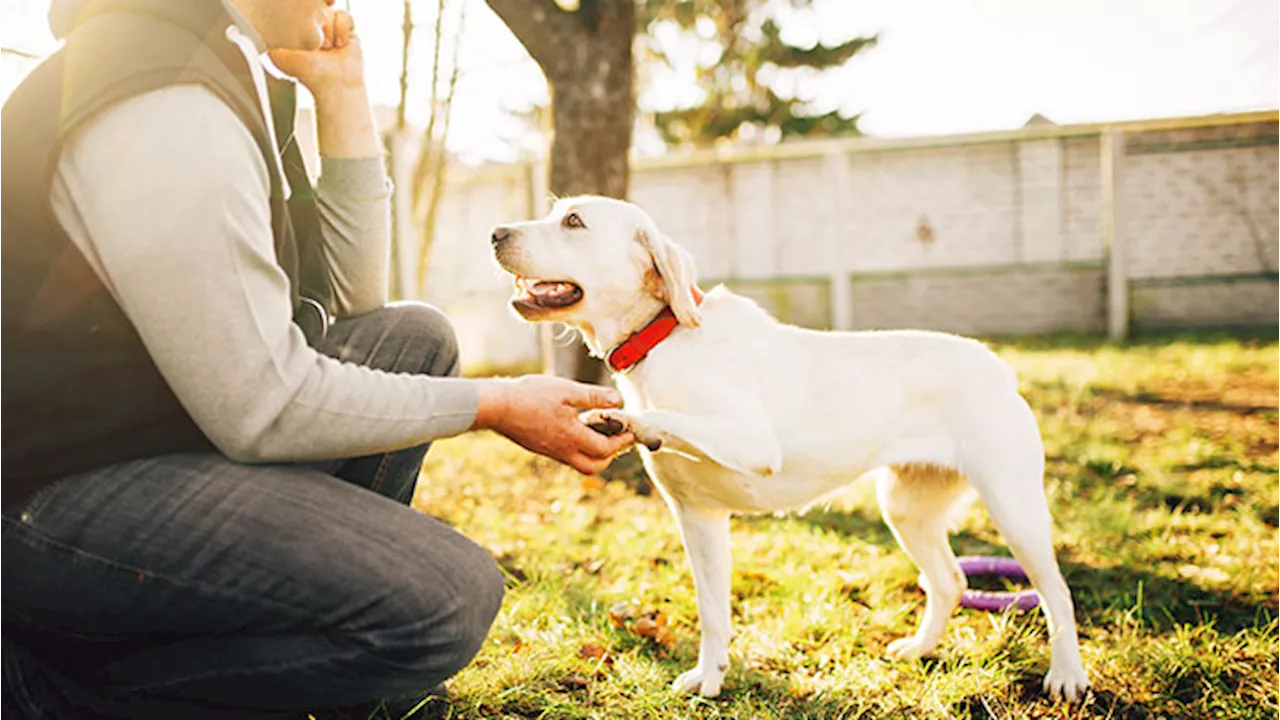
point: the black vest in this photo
(79, 389)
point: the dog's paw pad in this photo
(706, 684)
(608, 426)
(604, 422)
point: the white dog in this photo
(749, 415)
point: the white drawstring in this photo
(252, 56)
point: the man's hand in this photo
(335, 76)
(540, 413)
(337, 67)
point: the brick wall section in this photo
(1009, 302)
(1210, 304)
(1196, 207)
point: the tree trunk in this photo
(593, 114)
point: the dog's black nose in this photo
(500, 234)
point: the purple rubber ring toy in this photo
(992, 601)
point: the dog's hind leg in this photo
(1005, 462)
(916, 501)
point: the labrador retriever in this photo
(736, 412)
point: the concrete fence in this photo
(1089, 228)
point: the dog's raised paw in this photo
(706, 684)
(616, 422)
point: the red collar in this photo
(636, 347)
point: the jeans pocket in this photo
(28, 511)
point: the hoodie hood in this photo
(65, 15)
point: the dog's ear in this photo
(677, 275)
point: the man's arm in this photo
(166, 195)
(353, 197)
(353, 191)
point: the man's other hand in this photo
(540, 413)
(336, 67)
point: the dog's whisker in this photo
(566, 336)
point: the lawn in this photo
(1162, 477)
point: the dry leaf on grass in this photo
(651, 624)
(575, 683)
(591, 651)
(621, 613)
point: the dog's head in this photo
(597, 264)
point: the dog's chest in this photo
(703, 484)
(700, 483)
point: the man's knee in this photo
(441, 622)
(404, 337)
(472, 621)
(428, 327)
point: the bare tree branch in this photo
(404, 65)
(20, 53)
(426, 160)
(441, 170)
(540, 25)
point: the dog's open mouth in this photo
(545, 294)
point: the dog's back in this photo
(841, 403)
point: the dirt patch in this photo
(1242, 391)
(1244, 414)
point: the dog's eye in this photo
(573, 220)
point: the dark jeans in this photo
(190, 586)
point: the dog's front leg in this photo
(739, 438)
(706, 540)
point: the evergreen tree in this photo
(737, 96)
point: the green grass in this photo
(1162, 477)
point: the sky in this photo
(941, 66)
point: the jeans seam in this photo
(340, 653)
(277, 666)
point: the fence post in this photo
(1113, 241)
(835, 170)
(536, 180)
